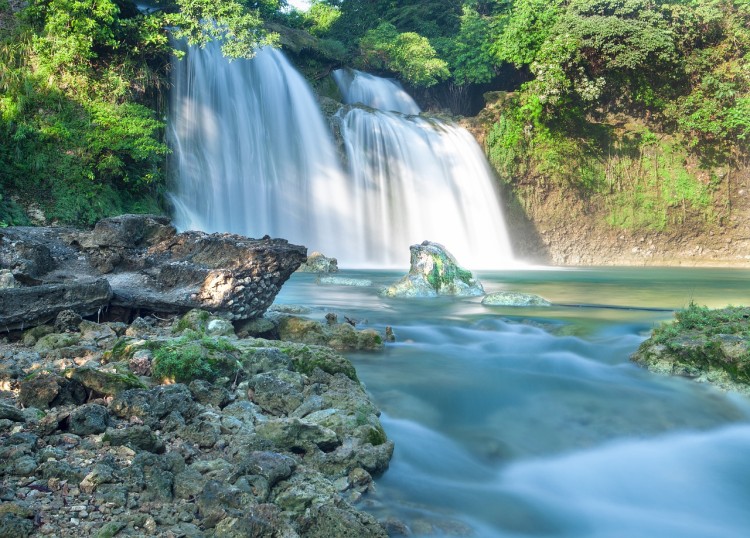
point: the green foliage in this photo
(526, 29)
(408, 54)
(321, 17)
(469, 52)
(200, 21)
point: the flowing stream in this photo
(253, 155)
(532, 422)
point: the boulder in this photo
(318, 263)
(433, 272)
(139, 262)
(707, 346)
(514, 298)
(339, 336)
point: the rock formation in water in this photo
(251, 438)
(434, 271)
(318, 263)
(708, 346)
(139, 262)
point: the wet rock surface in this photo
(138, 262)
(280, 439)
(434, 271)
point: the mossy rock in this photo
(339, 336)
(124, 349)
(434, 271)
(104, 382)
(304, 358)
(187, 358)
(55, 341)
(202, 322)
(32, 336)
(705, 345)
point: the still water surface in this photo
(532, 422)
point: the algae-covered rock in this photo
(303, 358)
(710, 346)
(434, 271)
(514, 298)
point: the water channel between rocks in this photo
(519, 422)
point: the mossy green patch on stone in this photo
(54, 341)
(703, 344)
(186, 358)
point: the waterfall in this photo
(253, 155)
(252, 152)
(416, 178)
(375, 92)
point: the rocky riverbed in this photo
(176, 427)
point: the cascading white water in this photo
(375, 92)
(254, 156)
(414, 178)
(252, 150)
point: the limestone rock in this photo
(89, 419)
(434, 271)
(513, 298)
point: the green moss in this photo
(376, 436)
(187, 358)
(701, 339)
(306, 358)
(195, 320)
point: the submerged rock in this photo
(707, 346)
(514, 298)
(343, 281)
(434, 271)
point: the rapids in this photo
(532, 422)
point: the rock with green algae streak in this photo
(433, 272)
(514, 298)
(707, 346)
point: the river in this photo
(516, 422)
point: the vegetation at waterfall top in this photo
(641, 108)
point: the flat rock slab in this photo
(25, 307)
(139, 262)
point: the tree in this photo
(408, 54)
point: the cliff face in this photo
(630, 197)
(552, 224)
